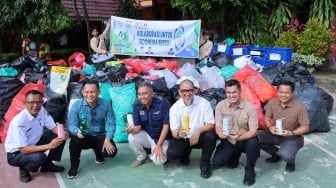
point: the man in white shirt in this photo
(201, 124)
(26, 142)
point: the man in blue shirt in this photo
(92, 125)
(151, 127)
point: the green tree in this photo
(21, 18)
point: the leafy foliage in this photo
(323, 11)
(309, 61)
(33, 17)
(315, 39)
(288, 39)
(128, 9)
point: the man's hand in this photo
(55, 143)
(110, 149)
(129, 128)
(195, 137)
(234, 136)
(157, 152)
(79, 134)
(221, 135)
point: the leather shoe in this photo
(249, 178)
(51, 167)
(275, 158)
(290, 167)
(205, 171)
(25, 175)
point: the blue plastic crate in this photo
(259, 60)
(227, 50)
(256, 51)
(240, 50)
(275, 55)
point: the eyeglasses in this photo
(35, 103)
(185, 91)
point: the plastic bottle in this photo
(83, 124)
(60, 130)
(185, 123)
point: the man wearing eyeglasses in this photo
(92, 125)
(26, 141)
(201, 132)
(151, 127)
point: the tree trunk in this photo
(87, 25)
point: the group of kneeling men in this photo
(158, 134)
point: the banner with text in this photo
(155, 38)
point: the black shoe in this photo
(25, 175)
(290, 167)
(73, 172)
(51, 167)
(185, 161)
(249, 178)
(99, 160)
(205, 171)
(275, 158)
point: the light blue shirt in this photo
(100, 118)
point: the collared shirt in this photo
(152, 120)
(292, 115)
(200, 113)
(100, 118)
(26, 130)
(242, 119)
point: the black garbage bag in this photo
(56, 105)
(100, 64)
(293, 72)
(116, 73)
(311, 97)
(22, 63)
(9, 87)
(74, 90)
(327, 99)
(75, 75)
(221, 60)
(270, 73)
(214, 96)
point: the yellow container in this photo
(185, 123)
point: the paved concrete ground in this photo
(315, 167)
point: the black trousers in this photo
(95, 142)
(181, 149)
(33, 161)
(228, 154)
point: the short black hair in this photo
(286, 83)
(146, 84)
(33, 92)
(95, 82)
(95, 28)
(233, 82)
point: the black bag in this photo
(9, 87)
